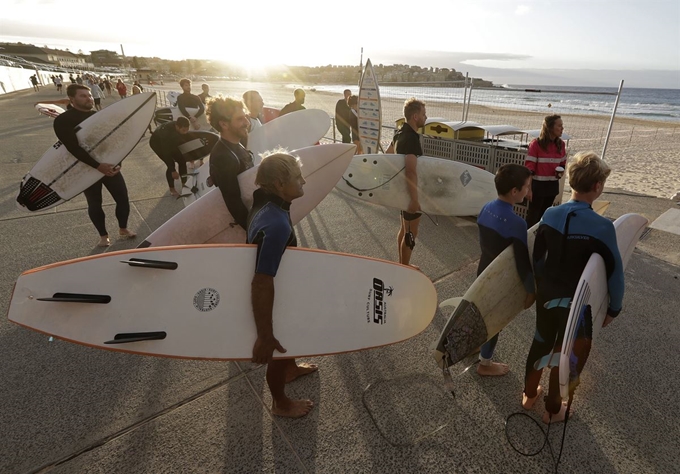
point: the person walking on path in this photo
(121, 88)
(65, 126)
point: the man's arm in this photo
(410, 165)
(262, 297)
(67, 136)
(201, 108)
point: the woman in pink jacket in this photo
(122, 89)
(545, 154)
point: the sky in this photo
(582, 42)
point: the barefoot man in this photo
(280, 181)
(407, 142)
(566, 238)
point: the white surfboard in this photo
(445, 187)
(208, 220)
(494, 299)
(50, 110)
(109, 136)
(369, 116)
(591, 299)
(195, 302)
(292, 131)
(171, 96)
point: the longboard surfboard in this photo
(591, 299)
(445, 187)
(195, 302)
(108, 136)
(493, 300)
(369, 114)
(208, 220)
(292, 131)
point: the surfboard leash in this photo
(546, 440)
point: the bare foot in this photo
(528, 403)
(104, 241)
(173, 192)
(126, 234)
(301, 369)
(292, 408)
(494, 369)
(556, 418)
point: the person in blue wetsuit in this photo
(280, 181)
(567, 236)
(500, 227)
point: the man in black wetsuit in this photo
(296, 104)
(165, 141)
(65, 127)
(188, 100)
(229, 158)
(342, 117)
(280, 180)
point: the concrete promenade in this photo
(66, 408)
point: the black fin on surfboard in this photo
(141, 262)
(125, 338)
(78, 298)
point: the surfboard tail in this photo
(35, 195)
(463, 334)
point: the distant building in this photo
(44, 55)
(105, 58)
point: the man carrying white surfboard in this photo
(269, 226)
(188, 100)
(229, 158)
(566, 238)
(407, 142)
(65, 127)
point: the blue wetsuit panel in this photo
(567, 236)
(270, 228)
(500, 227)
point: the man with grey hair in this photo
(280, 181)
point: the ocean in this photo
(646, 104)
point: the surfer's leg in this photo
(486, 365)
(542, 345)
(93, 195)
(118, 189)
(281, 404)
(409, 223)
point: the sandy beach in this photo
(67, 408)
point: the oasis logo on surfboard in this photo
(206, 299)
(376, 306)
